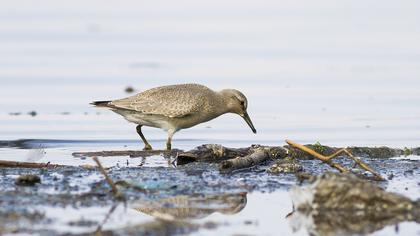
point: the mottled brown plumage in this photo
(189, 98)
(176, 107)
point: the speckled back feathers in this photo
(170, 101)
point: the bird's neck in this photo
(225, 106)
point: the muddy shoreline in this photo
(193, 191)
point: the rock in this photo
(27, 180)
(347, 192)
(285, 166)
(211, 153)
(341, 204)
(376, 152)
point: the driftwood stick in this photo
(107, 216)
(117, 194)
(17, 164)
(130, 153)
(363, 165)
(317, 155)
(327, 159)
(257, 156)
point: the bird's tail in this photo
(100, 103)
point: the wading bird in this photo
(177, 107)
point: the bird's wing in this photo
(170, 101)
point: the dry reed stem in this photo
(117, 194)
(327, 159)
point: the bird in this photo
(176, 107)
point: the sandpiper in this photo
(177, 107)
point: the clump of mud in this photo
(286, 165)
(28, 180)
(346, 204)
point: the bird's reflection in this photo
(194, 206)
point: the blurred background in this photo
(338, 72)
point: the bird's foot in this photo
(168, 147)
(147, 147)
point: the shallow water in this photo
(341, 74)
(344, 74)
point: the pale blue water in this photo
(342, 73)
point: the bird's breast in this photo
(194, 119)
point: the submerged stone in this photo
(28, 180)
(285, 166)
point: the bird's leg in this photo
(147, 146)
(169, 141)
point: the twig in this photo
(117, 194)
(130, 153)
(108, 215)
(17, 164)
(362, 164)
(317, 155)
(327, 159)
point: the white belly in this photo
(156, 121)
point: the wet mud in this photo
(176, 197)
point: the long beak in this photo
(249, 122)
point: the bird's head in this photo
(237, 103)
